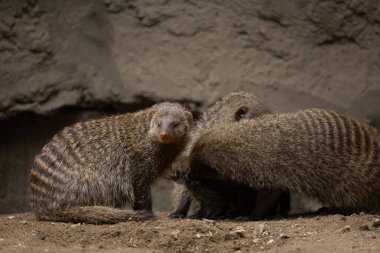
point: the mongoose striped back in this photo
(342, 135)
(320, 153)
(69, 159)
(89, 169)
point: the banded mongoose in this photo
(89, 170)
(319, 153)
(232, 108)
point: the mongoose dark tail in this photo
(95, 215)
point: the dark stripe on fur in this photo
(338, 125)
(330, 128)
(358, 138)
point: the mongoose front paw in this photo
(176, 215)
(249, 218)
(195, 217)
(243, 218)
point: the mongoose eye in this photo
(240, 113)
(175, 124)
(159, 124)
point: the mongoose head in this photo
(170, 123)
(235, 107)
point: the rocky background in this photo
(65, 61)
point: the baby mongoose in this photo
(89, 170)
(232, 108)
(319, 153)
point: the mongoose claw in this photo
(176, 215)
(246, 218)
(195, 217)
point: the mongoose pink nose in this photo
(164, 135)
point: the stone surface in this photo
(294, 54)
(121, 55)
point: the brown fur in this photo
(319, 153)
(91, 168)
(232, 108)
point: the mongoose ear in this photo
(151, 114)
(189, 117)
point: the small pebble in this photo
(198, 235)
(364, 228)
(41, 235)
(23, 222)
(271, 241)
(261, 228)
(209, 221)
(10, 217)
(346, 229)
(239, 231)
(116, 233)
(175, 234)
(376, 223)
(284, 236)
(257, 241)
(232, 236)
(240, 234)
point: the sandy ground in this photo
(332, 233)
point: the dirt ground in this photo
(331, 233)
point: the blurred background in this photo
(67, 61)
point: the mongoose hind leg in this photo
(143, 199)
(269, 203)
(208, 211)
(183, 205)
(182, 198)
(198, 214)
(223, 198)
(209, 199)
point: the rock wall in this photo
(121, 55)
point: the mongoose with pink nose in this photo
(88, 171)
